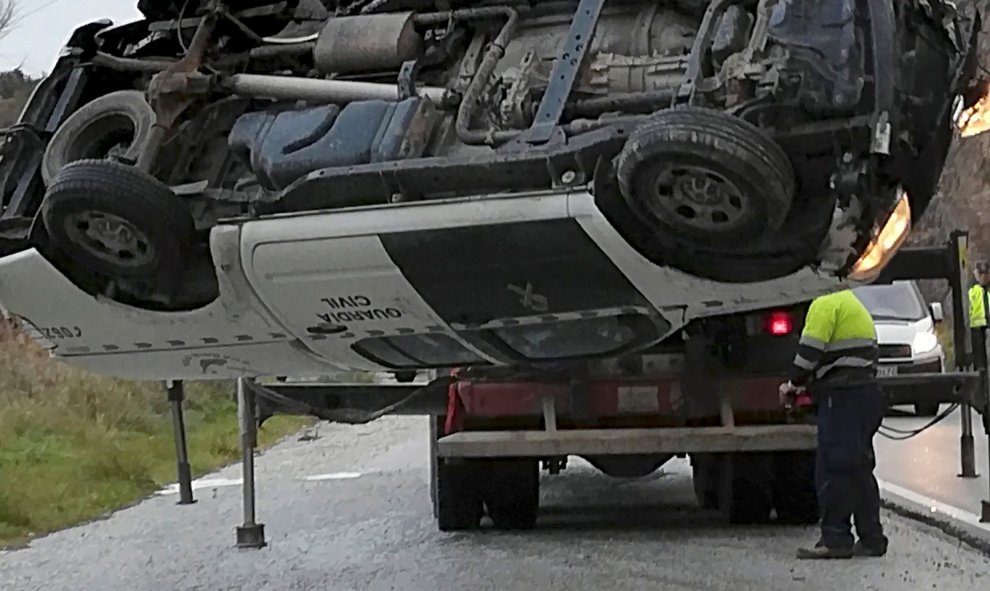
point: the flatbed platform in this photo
(482, 444)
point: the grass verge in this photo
(74, 446)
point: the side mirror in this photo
(937, 314)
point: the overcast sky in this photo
(45, 25)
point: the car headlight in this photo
(884, 244)
(923, 343)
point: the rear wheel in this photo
(705, 179)
(704, 475)
(794, 493)
(745, 493)
(459, 501)
(513, 493)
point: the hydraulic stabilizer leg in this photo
(249, 534)
(176, 394)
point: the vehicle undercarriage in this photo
(727, 139)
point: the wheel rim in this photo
(110, 238)
(699, 199)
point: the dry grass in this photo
(74, 445)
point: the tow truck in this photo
(710, 396)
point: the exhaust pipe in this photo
(320, 91)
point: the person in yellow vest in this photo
(978, 311)
(836, 362)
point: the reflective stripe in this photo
(856, 362)
(810, 341)
(804, 363)
(850, 344)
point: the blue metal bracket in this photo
(565, 71)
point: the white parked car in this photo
(905, 331)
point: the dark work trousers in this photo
(848, 418)
(979, 340)
(980, 362)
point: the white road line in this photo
(935, 507)
(333, 476)
(173, 489)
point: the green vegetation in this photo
(15, 88)
(74, 446)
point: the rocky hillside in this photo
(963, 201)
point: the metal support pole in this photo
(969, 354)
(967, 450)
(176, 394)
(985, 392)
(985, 503)
(250, 534)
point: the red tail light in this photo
(779, 323)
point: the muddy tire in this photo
(117, 221)
(114, 125)
(705, 179)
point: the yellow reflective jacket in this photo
(977, 315)
(838, 343)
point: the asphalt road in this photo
(929, 463)
(362, 520)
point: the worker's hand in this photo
(788, 390)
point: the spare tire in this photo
(705, 178)
(115, 124)
(118, 221)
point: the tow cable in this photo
(904, 434)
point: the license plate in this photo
(886, 371)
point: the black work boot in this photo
(872, 550)
(823, 552)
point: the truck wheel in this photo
(705, 478)
(459, 500)
(706, 178)
(794, 494)
(513, 493)
(745, 491)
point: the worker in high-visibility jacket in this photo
(978, 295)
(836, 362)
(978, 299)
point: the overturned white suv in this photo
(250, 187)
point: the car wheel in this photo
(116, 125)
(705, 178)
(120, 222)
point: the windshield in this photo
(897, 301)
